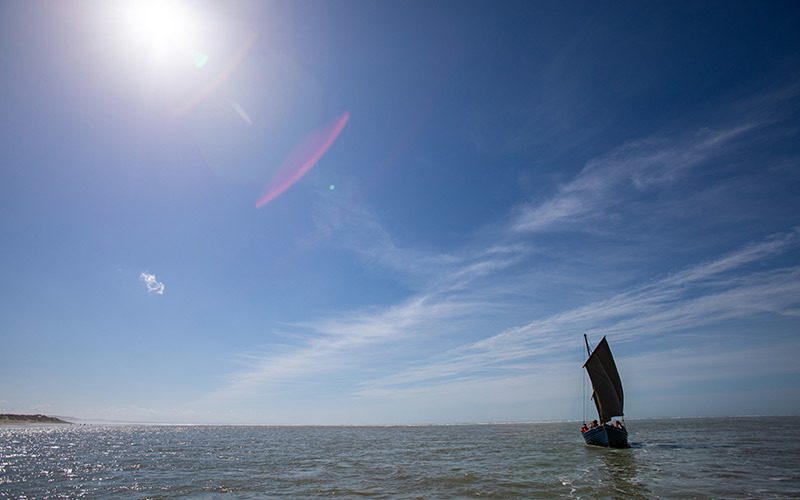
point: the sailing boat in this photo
(607, 396)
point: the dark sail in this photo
(607, 386)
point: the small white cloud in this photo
(152, 284)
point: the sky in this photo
(359, 212)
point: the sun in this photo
(167, 28)
(178, 51)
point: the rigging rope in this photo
(583, 393)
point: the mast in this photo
(588, 354)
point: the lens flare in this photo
(241, 112)
(302, 158)
(220, 77)
(200, 59)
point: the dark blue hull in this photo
(607, 436)
(596, 436)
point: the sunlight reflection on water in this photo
(671, 459)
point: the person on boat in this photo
(593, 424)
(584, 428)
(618, 424)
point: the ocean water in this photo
(679, 458)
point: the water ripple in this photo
(672, 459)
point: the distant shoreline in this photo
(17, 419)
(10, 418)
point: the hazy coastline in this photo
(11, 418)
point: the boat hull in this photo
(607, 436)
(596, 436)
(617, 437)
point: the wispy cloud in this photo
(733, 285)
(608, 181)
(455, 317)
(354, 228)
(152, 284)
(330, 342)
(720, 289)
(643, 166)
(338, 341)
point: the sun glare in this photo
(167, 28)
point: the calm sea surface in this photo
(696, 458)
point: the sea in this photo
(746, 457)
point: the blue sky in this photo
(511, 176)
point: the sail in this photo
(607, 386)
